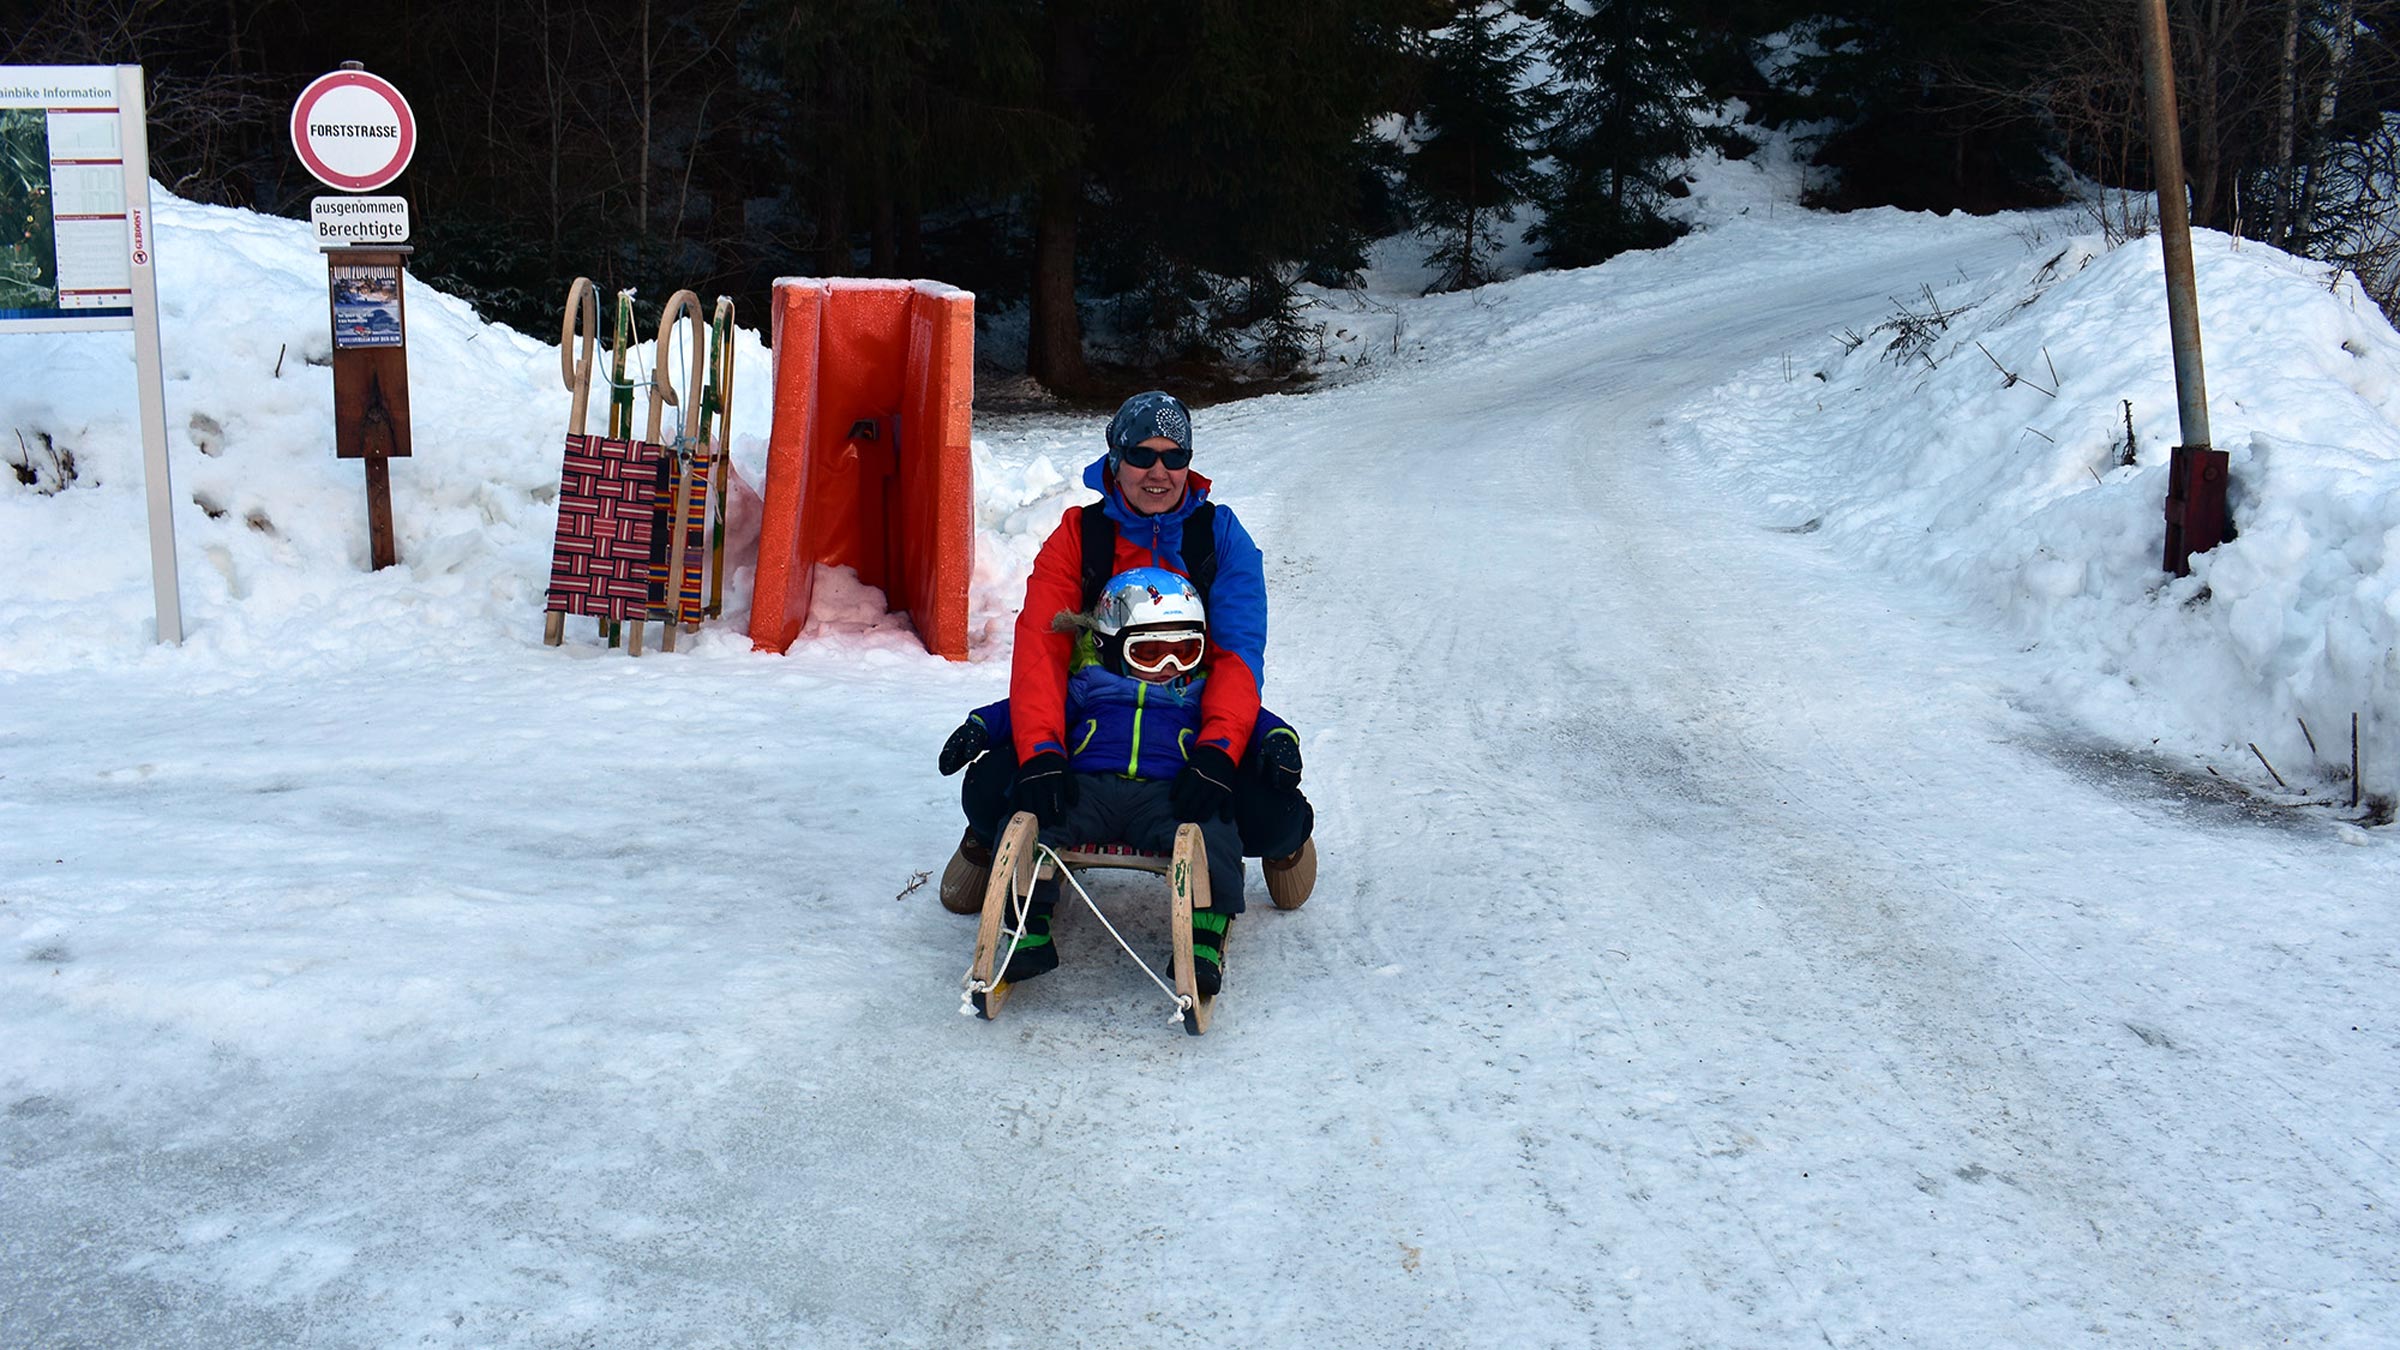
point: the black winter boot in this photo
(1209, 931)
(1035, 954)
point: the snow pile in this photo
(271, 527)
(1979, 435)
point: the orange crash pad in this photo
(868, 464)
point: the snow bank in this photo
(272, 528)
(1977, 434)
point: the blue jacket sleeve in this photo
(1237, 635)
(994, 717)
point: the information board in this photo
(65, 217)
(76, 249)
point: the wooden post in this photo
(365, 294)
(381, 551)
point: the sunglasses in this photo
(1155, 653)
(1143, 456)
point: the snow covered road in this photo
(1716, 944)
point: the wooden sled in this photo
(1017, 864)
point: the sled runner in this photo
(683, 487)
(600, 558)
(575, 367)
(720, 450)
(1019, 860)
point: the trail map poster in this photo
(64, 257)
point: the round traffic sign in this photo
(353, 130)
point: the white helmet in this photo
(1141, 597)
(1151, 624)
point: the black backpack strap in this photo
(1099, 552)
(1200, 548)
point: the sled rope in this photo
(1022, 904)
(1181, 1003)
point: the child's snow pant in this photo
(1273, 820)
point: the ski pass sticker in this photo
(353, 130)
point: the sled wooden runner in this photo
(620, 424)
(1187, 890)
(682, 470)
(720, 395)
(575, 366)
(1012, 876)
(1018, 861)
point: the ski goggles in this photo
(1178, 650)
(1143, 456)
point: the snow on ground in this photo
(1993, 456)
(1780, 880)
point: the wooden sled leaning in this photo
(1018, 861)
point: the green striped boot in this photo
(1209, 931)
(1035, 954)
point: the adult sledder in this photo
(1153, 511)
(1134, 703)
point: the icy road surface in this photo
(1715, 945)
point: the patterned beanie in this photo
(1156, 413)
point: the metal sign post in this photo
(2196, 477)
(355, 132)
(76, 176)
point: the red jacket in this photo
(1037, 682)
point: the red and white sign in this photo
(353, 130)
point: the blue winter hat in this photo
(1155, 413)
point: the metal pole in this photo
(2174, 223)
(133, 120)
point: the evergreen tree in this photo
(1234, 159)
(1629, 89)
(1476, 126)
(1914, 93)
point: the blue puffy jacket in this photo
(1128, 727)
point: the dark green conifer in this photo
(1476, 128)
(1628, 95)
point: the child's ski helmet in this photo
(1142, 597)
(1152, 624)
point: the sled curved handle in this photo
(576, 367)
(721, 330)
(662, 386)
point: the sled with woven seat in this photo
(1019, 860)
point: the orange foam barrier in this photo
(868, 463)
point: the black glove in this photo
(1205, 786)
(1278, 762)
(1045, 787)
(964, 744)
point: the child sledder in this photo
(1133, 709)
(1154, 511)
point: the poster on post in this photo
(366, 305)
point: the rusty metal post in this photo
(2195, 508)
